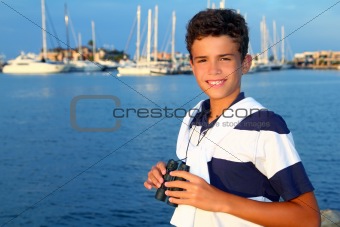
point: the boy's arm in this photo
(300, 211)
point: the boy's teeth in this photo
(215, 82)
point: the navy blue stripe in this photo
(240, 178)
(264, 120)
(291, 182)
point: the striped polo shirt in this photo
(258, 159)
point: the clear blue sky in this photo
(114, 20)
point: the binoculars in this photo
(171, 166)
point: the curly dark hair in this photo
(217, 22)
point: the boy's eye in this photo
(225, 59)
(201, 60)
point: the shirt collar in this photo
(201, 118)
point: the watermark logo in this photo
(73, 113)
(232, 116)
(239, 113)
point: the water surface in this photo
(54, 175)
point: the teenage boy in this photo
(242, 157)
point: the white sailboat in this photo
(262, 62)
(275, 64)
(284, 62)
(166, 68)
(108, 65)
(80, 65)
(144, 66)
(30, 64)
(84, 66)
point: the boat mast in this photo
(67, 34)
(222, 4)
(173, 58)
(93, 41)
(155, 34)
(43, 25)
(148, 47)
(79, 48)
(283, 45)
(250, 49)
(138, 35)
(274, 42)
(264, 41)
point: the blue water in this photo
(54, 175)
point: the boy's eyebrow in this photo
(223, 55)
(220, 55)
(226, 55)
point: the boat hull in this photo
(35, 68)
(146, 69)
(85, 66)
(128, 71)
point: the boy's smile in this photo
(216, 83)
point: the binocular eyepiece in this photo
(171, 166)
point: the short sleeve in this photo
(277, 158)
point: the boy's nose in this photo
(214, 69)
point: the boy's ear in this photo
(246, 64)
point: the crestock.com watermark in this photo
(118, 113)
(176, 112)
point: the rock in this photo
(330, 218)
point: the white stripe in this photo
(261, 199)
(238, 146)
(275, 152)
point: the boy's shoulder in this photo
(264, 120)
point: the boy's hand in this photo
(196, 192)
(155, 176)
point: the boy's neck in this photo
(218, 106)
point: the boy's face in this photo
(217, 66)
